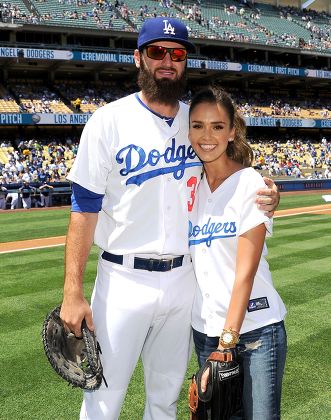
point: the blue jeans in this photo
(262, 353)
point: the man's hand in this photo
(73, 310)
(75, 359)
(268, 198)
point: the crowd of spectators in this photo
(12, 13)
(94, 11)
(98, 94)
(102, 13)
(86, 97)
(34, 168)
(35, 98)
(29, 170)
(276, 108)
(252, 29)
(297, 157)
(318, 23)
(34, 162)
(257, 103)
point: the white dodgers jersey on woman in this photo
(216, 222)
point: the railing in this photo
(61, 195)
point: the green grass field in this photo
(31, 284)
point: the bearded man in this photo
(134, 182)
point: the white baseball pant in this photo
(26, 202)
(138, 312)
(44, 200)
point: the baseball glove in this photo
(223, 395)
(76, 360)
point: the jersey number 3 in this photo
(192, 185)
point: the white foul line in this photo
(298, 213)
(52, 246)
(31, 248)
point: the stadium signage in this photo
(213, 65)
(246, 68)
(8, 52)
(260, 122)
(41, 54)
(36, 53)
(30, 53)
(43, 119)
(81, 119)
(10, 119)
(302, 185)
(286, 71)
(63, 119)
(115, 57)
(103, 57)
(286, 122)
(321, 74)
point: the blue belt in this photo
(150, 264)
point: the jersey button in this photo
(203, 251)
(210, 200)
(207, 295)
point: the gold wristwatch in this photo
(229, 338)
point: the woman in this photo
(236, 304)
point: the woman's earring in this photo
(230, 139)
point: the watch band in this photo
(229, 338)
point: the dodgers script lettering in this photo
(134, 158)
(208, 232)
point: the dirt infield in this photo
(7, 247)
(322, 209)
(31, 244)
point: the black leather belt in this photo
(150, 264)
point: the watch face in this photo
(227, 337)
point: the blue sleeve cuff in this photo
(85, 201)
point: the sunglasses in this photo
(156, 52)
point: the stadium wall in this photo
(61, 194)
(303, 185)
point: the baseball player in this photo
(25, 191)
(12, 197)
(236, 303)
(3, 193)
(45, 190)
(134, 180)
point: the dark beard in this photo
(164, 91)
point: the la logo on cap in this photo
(168, 28)
(164, 28)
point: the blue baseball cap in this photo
(164, 29)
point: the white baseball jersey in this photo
(216, 222)
(133, 157)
